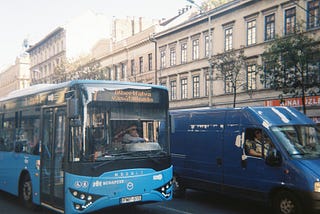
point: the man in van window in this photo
(254, 147)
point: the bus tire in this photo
(178, 189)
(285, 202)
(25, 192)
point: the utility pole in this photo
(210, 95)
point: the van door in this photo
(248, 175)
(52, 151)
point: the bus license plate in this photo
(131, 199)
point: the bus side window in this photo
(3, 147)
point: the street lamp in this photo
(209, 52)
(153, 39)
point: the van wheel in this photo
(286, 202)
(25, 192)
(178, 190)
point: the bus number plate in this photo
(131, 199)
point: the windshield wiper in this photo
(302, 154)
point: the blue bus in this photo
(61, 145)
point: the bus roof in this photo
(35, 89)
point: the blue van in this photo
(211, 150)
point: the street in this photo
(194, 202)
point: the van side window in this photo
(257, 143)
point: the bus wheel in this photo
(25, 192)
(178, 190)
(287, 203)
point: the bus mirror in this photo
(72, 108)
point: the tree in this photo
(207, 5)
(79, 69)
(91, 70)
(230, 66)
(210, 4)
(291, 65)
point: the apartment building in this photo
(134, 57)
(68, 42)
(16, 76)
(248, 25)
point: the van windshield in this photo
(299, 141)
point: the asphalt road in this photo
(195, 202)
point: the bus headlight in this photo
(316, 186)
(165, 189)
(86, 199)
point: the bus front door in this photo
(52, 151)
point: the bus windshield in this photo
(115, 130)
(299, 141)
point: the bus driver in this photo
(132, 136)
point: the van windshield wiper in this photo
(302, 154)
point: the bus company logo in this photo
(157, 177)
(130, 185)
(79, 184)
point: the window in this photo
(251, 32)
(206, 46)
(269, 27)
(266, 67)
(150, 62)
(123, 70)
(195, 49)
(162, 59)
(184, 88)
(251, 77)
(228, 39)
(116, 70)
(207, 84)
(173, 90)
(140, 64)
(163, 84)
(290, 21)
(108, 73)
(313, 14)
(196, 86)
(228, 85)
(132, 67)
(172, 56)
(257, 143)
(183, 53)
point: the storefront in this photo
(312, 105)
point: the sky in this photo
(34, 19)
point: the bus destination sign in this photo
(131, 96)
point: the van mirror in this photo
(274, 158)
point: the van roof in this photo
(267, 116)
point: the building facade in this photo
(16, 76)
(46, 55)
(66, 43)
(134, 57)
(247, 25)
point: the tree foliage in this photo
(230, 66)
(291, 65)
(79, 70)
(210, 4)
